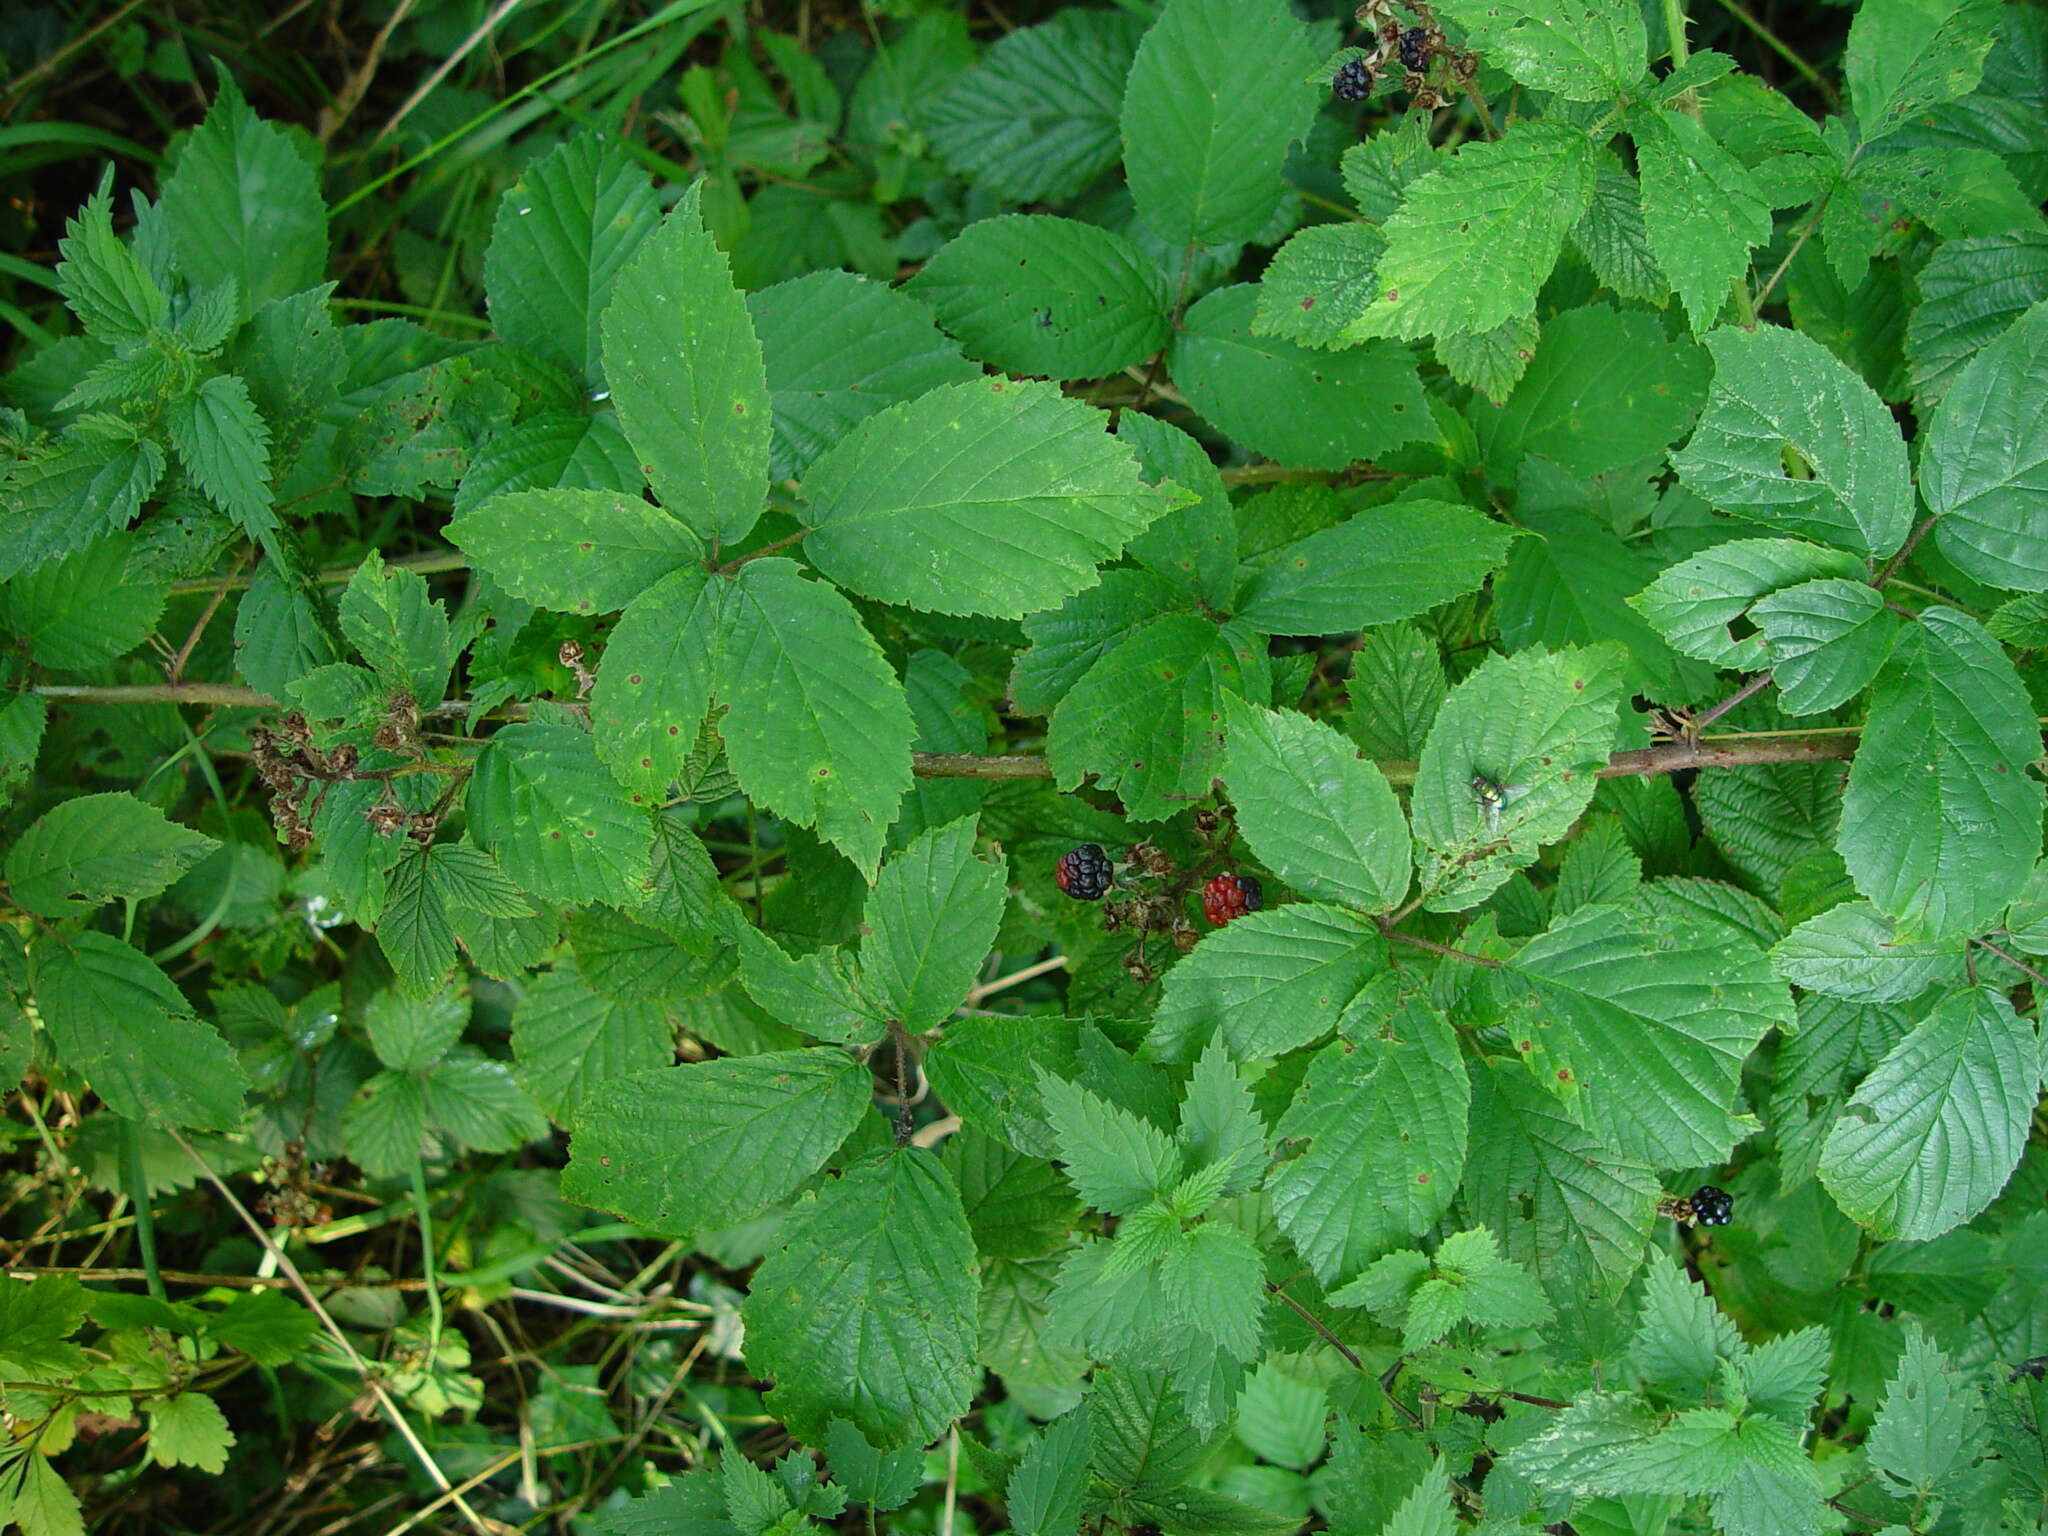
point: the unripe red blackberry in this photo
(1231, 896)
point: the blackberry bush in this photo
(561, 601)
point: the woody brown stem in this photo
(1669, 757)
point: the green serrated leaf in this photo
(1385, 1124)
(1068, 640)
(550, 450)
(83, 612)
(1580, 50)
(1194, 546)
(188, 1430)
(1046, 1491)
(63, 499)
(116, 1020)
(1535, 726)
(1936, 1129)
(695, 1147)
(1851, 951)
(1703, 213)
(1045, 296)
(1385, 564)
(1476, 238)
(1941, 821)
(1792, 438)
(1270, 982)
(102, 280)
(1982, 461)
(1490, 362)
(892, 1225)
(1644, 1022)
(94, 849)
(1695, 603)
(837, 349)
(568, 1041)
(992, 497)
(243, 203)
(1826, 641)
(1147, 717)
(388, 616)
(1036, 119)
(1611, 236)
(1681, 1337)
(1577, 1213)
(657, 679)
(1908, 55)
(1292, 402)
(1319, 283)
(1321, 819)
(1970, 292)
(819, 993)
(411, 1034)
(1929, 1427)
(1396, 687)
(575, 550)
(559, 825)
(562, 233)
(1604, 390)
(1115, 1161)
(686, 376)
(818, 732)
(224, 446)
(1217, 92)
(986, 1071)
(930, 923)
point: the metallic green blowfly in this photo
(1492, 795)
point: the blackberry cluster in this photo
(1353, 80)
(1084, 872)
(1231, 896)
(1712, 1207)
(1414, 49)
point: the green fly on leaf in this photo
(1492, 795)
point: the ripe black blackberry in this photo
(1084, 872)
(1231, 896)
(1712, 1207)
(1414, 49)
(1353, 80)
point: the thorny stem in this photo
(899, 1044)
(1435, 948)
(1905, 550)
(2013, 960)
(1736, 750)
(1180, 299)
(1748, 690)
(1674, 26)
(439, 563)
(766, 549)
(1387, 1379)
(1319, 1325)
(176, 670)
(1798, 244)
(1479, 105)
